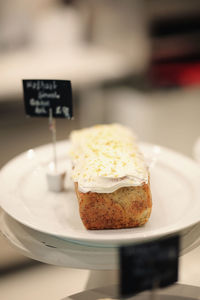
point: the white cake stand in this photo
(51, 250)
(34, 235)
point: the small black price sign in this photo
(42, 95)
(148, 265)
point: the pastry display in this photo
(111, 178)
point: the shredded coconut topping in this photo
(106, 157)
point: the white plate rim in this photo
(116, 238)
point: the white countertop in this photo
(84, 65)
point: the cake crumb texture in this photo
(124, 208)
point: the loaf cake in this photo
(112, 181)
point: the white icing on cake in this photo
(106, 158)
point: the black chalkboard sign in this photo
(42, 95)
(148, 265)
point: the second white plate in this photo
(24, 195)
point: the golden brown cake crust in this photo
(124, 208)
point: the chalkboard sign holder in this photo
(52, 127)
(51, 99)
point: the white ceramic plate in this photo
(52, 250)
(175, 181)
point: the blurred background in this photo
(136, 62)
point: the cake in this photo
(111, 178)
